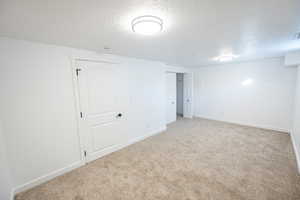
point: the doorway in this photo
(178, 96)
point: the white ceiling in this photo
(195, 31)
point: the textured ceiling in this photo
(195, 31)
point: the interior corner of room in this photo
(102, 97)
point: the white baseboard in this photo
(117, 147)
(78, 164)
(47, 177)
(153, 132)
(245, 124)
(296, 151)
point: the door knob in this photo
(119, 115)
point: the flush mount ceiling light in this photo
(226, 57)
(147, 25)
(246, 82)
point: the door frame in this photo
(82, 139)
(185, 72)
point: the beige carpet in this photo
(193, 159)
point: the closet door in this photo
(171, 97)
(103, 103)
(188, 95)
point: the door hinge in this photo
(81, 115)
(84, 153)
(77, 71)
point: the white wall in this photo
(38, 106)
(179, 93)
(5, 179)
(266, 102)
(296, 120)
(292, 58)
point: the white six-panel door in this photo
(188, 95)
(171, 97)
(102, 96)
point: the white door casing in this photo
(103, 101)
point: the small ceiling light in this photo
(246, 82)
(147, 25)
(225, 57)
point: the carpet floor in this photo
(193, 160)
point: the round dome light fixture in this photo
(147, 25)
(226, 57)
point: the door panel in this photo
(171, 97)
(103, 102)
(102, 88)
(100, 140)
(188, 95)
